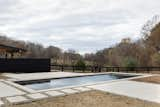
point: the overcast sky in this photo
(83, 25)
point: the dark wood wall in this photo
(24, 65)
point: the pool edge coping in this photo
(29, 90)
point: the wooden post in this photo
(6, 55)
(12, 55)
(118, 69)
(84, 69)
(92, 70)
(99, 69)
(73, 68)
(62, 68)
(106, 69)
(112, 69)
(148, 69)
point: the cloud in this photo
(83, 25)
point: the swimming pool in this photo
(70, 81)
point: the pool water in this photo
(72, 81)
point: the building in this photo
(126, 40)
(10, 51)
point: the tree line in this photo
(127, 53)
(143, 52)
(35, 50)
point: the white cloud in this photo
(84, 25)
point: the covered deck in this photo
(9, 51)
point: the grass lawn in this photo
(90, 99)
(152, 79)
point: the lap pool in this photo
(71, 81)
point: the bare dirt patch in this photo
(90, 99)
(151, 79)
(3, 77)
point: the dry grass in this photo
(90, 99)
(3, 77)
(152, 79)
(155, 72)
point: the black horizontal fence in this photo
(103, 69)
(44, 65)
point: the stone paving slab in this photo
(82, 89)
(11, 79)
(1, 103)
(54, 93)
(17, 99)
(69, 91)
(37, 96)
(140, 90)
(7, 90)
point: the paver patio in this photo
(82, 89)
(37, 96)
(54, 93)
(90, 99)
(17, 99)
(140, 90)
(69, 91)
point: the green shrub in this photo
(80, 65)
(131, 63)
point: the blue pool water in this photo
(64, 82)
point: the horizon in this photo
(85, 26)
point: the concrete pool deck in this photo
(140, 90)
(48, 75)
(45, 75)
(17, 93)
(7, 90)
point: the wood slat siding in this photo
(24, 65)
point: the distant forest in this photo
(143, 52)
